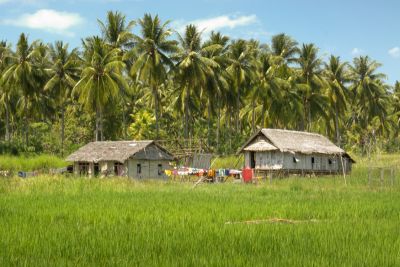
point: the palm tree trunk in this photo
(218, 125)
(62, 129)
(26, 123)
(101, 126)
(337, 130)
(187, 113)
(209, 124)
(96, 133)
(253, 116)
(238, 109)
(7, 124)
(155, 96)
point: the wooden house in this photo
(135, 159)
(294, 152)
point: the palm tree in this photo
(151, 55)
(370, 96)
(242, 69)
(285, 47)
(117, 33)
(337, 76)
(5, 91)
(217, 84)
(100, 80)
(64, 72)
(310, 85)
(22, 73)
(193, 69)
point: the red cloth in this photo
(247, 175)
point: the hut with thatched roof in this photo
(294, 152)
(135, 159)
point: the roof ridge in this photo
(293, 131)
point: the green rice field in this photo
(317, 221)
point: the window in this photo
(139, 168)
(295, 160)
(160, 169)
(330, 161)
(118, 168)
(312, 160)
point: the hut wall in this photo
(321, 162)
(269, 160)
(141, 169)
(247, 159)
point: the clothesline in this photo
(185, 171)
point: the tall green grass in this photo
(56, 221)
(31, 163)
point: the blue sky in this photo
(345, 28)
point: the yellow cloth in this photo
(168, 172)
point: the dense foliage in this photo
(141, 79)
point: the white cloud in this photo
(394, 52)
(357, 51)
(216, 23)
(48, 20)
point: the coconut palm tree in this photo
(369, 96)
(337, 76)
(193, 69)
(285, 47)
(117, 33)
(151, 55)
(241, 69)
(100, 80)
(23, 73)
(310, 84)
(64, 71)
(5, 91)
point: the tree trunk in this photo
(155, 96)
(187, 113)
(253, 116)
(26, 123)
(238, 109)
(101, 126)
(337, 130)
(8, 137)
(218, 125)
(96, 133)
(209, 124)
(62, 129)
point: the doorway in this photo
(252, 160)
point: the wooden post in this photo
(344, 172)
(382, 176)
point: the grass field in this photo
(57, 221)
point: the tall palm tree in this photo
(5, 91)
(117, 33)
(193, 69)
(337, 76)
(242, 69)
(310, 85)
(151, 55)
(64, 72)
(369, 96)
(23, 73)
(217, 84)
(285, 47)
(100, 80)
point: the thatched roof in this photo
(120, 151)
(260, 145)
(291, 141)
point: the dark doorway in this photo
(252, 160)
(96, 169)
